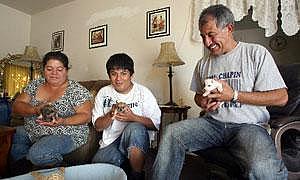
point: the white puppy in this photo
(211, 84)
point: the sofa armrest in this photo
(277, 122)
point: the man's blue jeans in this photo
(250, 144)
(47, 151)
(134, 135)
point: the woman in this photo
(44, 143)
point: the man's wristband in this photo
(235, 96)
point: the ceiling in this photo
(33, 6)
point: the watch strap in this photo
(235, 96)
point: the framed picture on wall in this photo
(57, 41)
(158, 23)
(98, 36)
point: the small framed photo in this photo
(98, 36)
(57, 41)
(158, 23)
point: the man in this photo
(250, 81)
(124, 129)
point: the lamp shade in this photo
(168, 56)
(31, 54)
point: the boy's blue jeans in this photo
(251, 145)
(134, 135)
(47, 151)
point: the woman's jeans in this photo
(134, 135)
(47, 151)
(251, 145)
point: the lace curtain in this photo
(290, 16)
(264, 11)
(16, 77)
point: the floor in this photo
(194, 168)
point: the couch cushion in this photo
(94, 85)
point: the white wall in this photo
(126, 33)
(14, 31)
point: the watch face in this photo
(278, 43)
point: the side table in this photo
(5, 143)
(180, 110)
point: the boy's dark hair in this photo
(120, 61)
(57, 56)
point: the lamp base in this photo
(171, 104)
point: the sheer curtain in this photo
(264, 11)
(290, 16)
(16, 77)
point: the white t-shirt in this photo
(140, 100)
(247, 68)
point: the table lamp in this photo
(31, 55)
(168, 58)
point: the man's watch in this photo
(235, 96)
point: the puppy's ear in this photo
(219, 87)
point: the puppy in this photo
(120, 107)
(48, 113)
(210, 85)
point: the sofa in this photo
(85, 153)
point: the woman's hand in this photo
(55, 122)
(39, 107)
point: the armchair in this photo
(285, 121)
(285, 130)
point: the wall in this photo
(126, 33)
(248, 31)
(14, 31)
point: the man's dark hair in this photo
(57, 56)
(120, 61)
(222, 15)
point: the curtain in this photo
(16, 77)
(290, 16)
(264, 12)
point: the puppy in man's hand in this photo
(210, 85)
(120, 107)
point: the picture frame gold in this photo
(158, 23)
(98, 36)
(57, 41)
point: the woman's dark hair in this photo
(120, 61)
(57, 56)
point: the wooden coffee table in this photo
(5, 144)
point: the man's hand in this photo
(126, 116)
(225, 95)
(206, 103)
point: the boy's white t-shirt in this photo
(140, 100)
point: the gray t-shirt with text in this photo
(247, 68)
